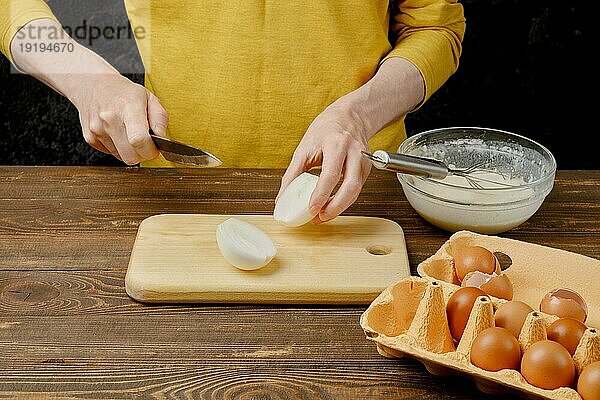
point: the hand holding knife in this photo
(181, 153)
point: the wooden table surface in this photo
(69, 330)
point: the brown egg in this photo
(474, 258)
(495, 285)
(588, 384)
(564, 303)
(566, 331)
(548, 365)
(511, 315)
(459, 308)
(496, 348)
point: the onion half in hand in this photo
(292, 207)
(244, 245)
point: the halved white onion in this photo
(291, 208)
(244, 245)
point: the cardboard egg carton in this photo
(409, 317)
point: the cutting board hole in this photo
(378, 250)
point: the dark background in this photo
(525, 68)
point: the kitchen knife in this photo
(183, 154)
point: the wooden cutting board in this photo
(349, 260)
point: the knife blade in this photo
(184, 154)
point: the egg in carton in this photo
(409, 317)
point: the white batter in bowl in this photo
(452, 204)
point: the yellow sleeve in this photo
(14, 14)
(428, 33)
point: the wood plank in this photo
(62, 379)
(277, 351)
(136, 183)
(85, 215)
(556, 215)
(41, 293)
(334, 335)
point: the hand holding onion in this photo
(334, 142)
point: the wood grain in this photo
(68, 329)
(249, 380)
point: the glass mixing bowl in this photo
(523, 170)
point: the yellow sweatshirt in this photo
(245, 79)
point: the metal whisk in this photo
(429, 168)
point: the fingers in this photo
(90, 138)
(108, 144)
(157, 115)
(120, 127)
(355, 174)
(99, 139)
(297, 166)
(124, 133)
(136, 126)
(96, 143)
(331, 173)
(113, 129)
(336, 156)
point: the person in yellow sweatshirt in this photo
(260, 83)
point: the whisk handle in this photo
(411, 165)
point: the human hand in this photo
(116, 114)
(333, 141)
